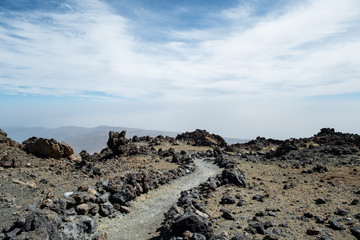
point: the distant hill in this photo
(89, 139)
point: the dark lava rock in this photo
(259, 227)
(258, 198)
(38, 225)
(313, 232)
(193, 223)
(202, 138)
(227, 200)
(319, 219)
(218, 237)
(233, 176)
(120, 145)
(355, 232)
(341, 212)
(285, 147)
(116, 140)
(122, 196)
(320, 169)
(320, 201)
(268, 224)
(227, 214)
(336, 225)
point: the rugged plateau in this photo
(193, 187)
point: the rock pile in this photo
(6, 140)
(188, 219)
(120, 145)
(306, 150)
(202, 138)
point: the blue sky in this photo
(234, 67)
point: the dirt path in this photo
(148, 210)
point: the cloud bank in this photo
(239, 70)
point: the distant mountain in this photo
(89, 139)
(235, 140)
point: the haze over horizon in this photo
(236, 68)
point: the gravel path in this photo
(148, 209)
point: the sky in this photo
(238, 68)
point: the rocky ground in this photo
(295, 189)
(42, 179)
(268, 189)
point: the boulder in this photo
(193, 223)
(202, 138)
(9, 160)
(122, 196)
(38, 225)
(67, 149)
(80, 229)
(234, 176)
(82, 209)
(43, 147)
(106, 209)
(116, 141)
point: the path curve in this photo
(148, 209)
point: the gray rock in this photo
(193, 223)
(227, 200)
(198, 236)
(106, 209)
(41, 225)
(235, 177)
(122, 196)
(336, 225)
(13, 233)
(341, 212)
(218, 237)
(240, 237)
(325, 237)
(103, 198)
(259, 227)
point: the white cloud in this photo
(246, 73)
(238, 13)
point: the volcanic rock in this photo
(43, 147)
(193, 223)
(235, 177)
(202, 138)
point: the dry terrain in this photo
(265, 189)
